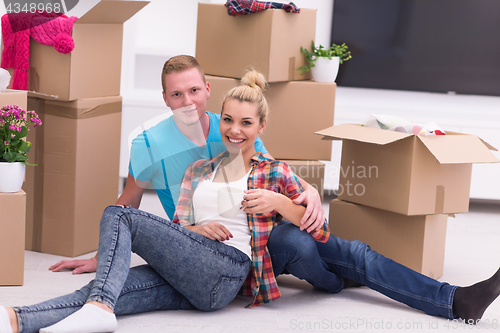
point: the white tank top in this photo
(205, 211)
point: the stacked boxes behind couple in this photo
(76, 149)
(269, 42)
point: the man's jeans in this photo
(325, 265)
(206, 274)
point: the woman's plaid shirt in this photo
(265, 174)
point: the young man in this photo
(163, 153)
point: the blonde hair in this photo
(178, 64)
(251, 90)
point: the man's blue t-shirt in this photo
(162, 154)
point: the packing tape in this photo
(439, 206)
(66, 111)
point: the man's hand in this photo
(314, 216)
(212, 230)
(79, 266)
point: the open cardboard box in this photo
(93, 68)
(12, 226)
(417, 242)
(297, 110)
(77, 151)
(268, 41)
(405, 173)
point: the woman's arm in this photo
(264, 201)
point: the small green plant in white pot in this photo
(324, 63)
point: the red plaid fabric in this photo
(245, 7)
(265, 174)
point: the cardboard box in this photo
(12, 222)
(406, 173)
(77, 176)
(417, 242)
(268, 41)
(93, 68)
(14, 97)
(313, 172)
(297, 110)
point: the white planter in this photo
(325, 70)
(11, 176)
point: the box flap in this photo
(360, 133)
(453, 148)
(112, 12)
(490, 147)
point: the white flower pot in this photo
(11, 176)
(325, 70)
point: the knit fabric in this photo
(44, 28)
(245, 7)
(54, 32)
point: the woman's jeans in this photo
(185, 271)
(325, 265)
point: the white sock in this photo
(89, 319)
(4, 321)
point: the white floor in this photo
(472, 254)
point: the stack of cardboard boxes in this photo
(270, 41)
(397, 190)
(12, 216)
(77, 97)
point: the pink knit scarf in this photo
(44, 28)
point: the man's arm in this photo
(314, 216)
(132, 195)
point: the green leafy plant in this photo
(14, 123)
(319, 51)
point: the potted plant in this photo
(14, 123)
(324, 63)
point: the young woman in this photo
(201, 260)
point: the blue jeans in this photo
(185, 271)
(325, 265)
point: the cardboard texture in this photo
(417, 242)
(14, 97)
(77, 152)
(405, 173)
(33, 208)
(12, 223)
(85, 72)
(268, 41)
(297, 110)
(313, 172)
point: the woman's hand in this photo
(258, 201)
(212, 230)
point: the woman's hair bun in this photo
(254, 80)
